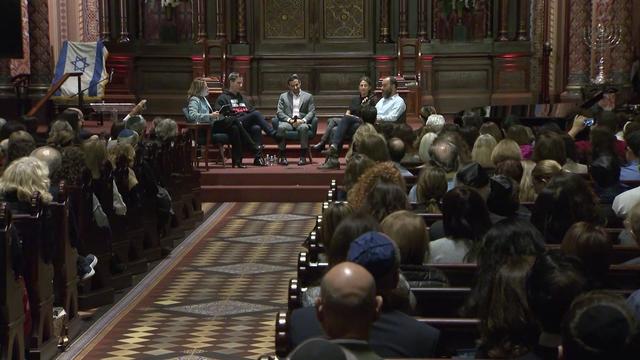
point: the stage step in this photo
(261, 193)
(275, 183)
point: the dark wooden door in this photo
(314, 26)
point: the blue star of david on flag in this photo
(88, 58)
(80, 63)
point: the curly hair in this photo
(120, 149)
(61, 134)
(71, 168)
(25, 176)
(382, 172)
(166, 129)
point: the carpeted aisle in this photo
(215, 297)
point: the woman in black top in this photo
(338, 128)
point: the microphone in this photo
(111, 75)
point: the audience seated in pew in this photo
(347, 307)
(394, 334)
(429, 190)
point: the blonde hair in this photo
(198, 85)
(506, 149)
(527, 193)
(362, 132)
(543, 172)
(409, 232)
(483, 149)
(425, 144)
(25, 176)
(95, 153)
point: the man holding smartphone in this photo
(296, 111)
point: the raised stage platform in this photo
(275, 183)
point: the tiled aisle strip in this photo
(218, 301)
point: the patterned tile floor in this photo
(219, 301)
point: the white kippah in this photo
(435, 119)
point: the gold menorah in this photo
(602, 41)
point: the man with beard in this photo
(391, 106)
(253, 121)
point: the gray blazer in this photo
(285, 106)
(198, 110)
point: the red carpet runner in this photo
(215, 296)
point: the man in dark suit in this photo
(296, 111)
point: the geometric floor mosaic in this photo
(220, 300)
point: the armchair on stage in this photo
(295, 135)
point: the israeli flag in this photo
(88, 58)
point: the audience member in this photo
(21, 144)
(384, 172)
(396, 153)
(430, 189)
(631, 234)
(506, 149)
(375, 147)
(385, 198)
(492, 129)
(469, 134)
(507, 239)
(503, 198)
(543, 172)
(527, 191)
(394, 334)
(510, 168)
(356, 166)
(567, 199)
(630, 170)
(549, 146)
(347, 308)
(444, 154)
(482, 150)
(553, 283)
(363, 131)
(520, 134)
(571, 165)
(605, 171)
(589, 243)
(407, 230)
(349, 229)
(61, 134)
(425, 145)
(599, 325)
(623, 203)
(474, 176)
(435, 122)
(332, 216)
(507, 327)
(465, 221)
(318, 349)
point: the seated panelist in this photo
(234, 104)
(296, 111)
(200, 111)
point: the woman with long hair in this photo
(338, 128)
(200, 111)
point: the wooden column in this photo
(503, 34)
(385, 33)
(124, 22)
(404, 21)
(489, 19)
(241, 33)
(201, 20)
(105, 31)
(577, 52)
(423, 36)
(523, 19)
(221, 30)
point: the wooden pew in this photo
(11, 292)
(455, 334)
(97, 291)
(137, 262)
(102, 188)
(65, 276)
(38, 273)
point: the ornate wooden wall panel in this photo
(283, 26)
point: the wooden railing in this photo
(52, 90)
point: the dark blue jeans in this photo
(347, 125)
